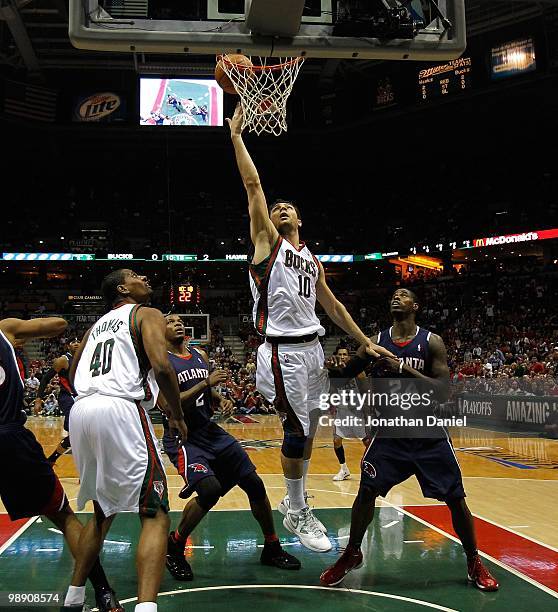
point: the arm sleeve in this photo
(47, 377)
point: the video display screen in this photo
(513, 58)
(180, 102)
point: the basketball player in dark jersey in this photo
(389, 461)
(28, 484)
(61, 366)
(211, 461)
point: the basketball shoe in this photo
(285, 505)
(342, 474)
(304, 525)
(107, 601)
(480, 576)
(175, 561)
(274, 555)
(350, 559)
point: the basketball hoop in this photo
(263, 90)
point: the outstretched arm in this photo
(262, 230)
(152, 326)
(47, 327)
(341, 317)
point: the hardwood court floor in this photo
(510, 480)
(412, 558)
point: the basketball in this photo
(221, 76)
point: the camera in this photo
(376, 19)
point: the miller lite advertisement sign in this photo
(100, 107)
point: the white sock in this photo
(295, 491)
(344, 467)
(146, 606)
(75, 596)
(305, 466)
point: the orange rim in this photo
(257, 68)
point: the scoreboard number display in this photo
(445, 79)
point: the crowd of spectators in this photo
(240, 387)
(498, 321)
(499, 325)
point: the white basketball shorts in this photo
(116, 453)
(293, 376)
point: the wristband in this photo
(401, 368)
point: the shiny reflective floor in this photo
(411, 557)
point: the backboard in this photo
(197, 327)
(358, 29)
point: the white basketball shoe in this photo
(305, 526)
(285, 505)
(343, 473)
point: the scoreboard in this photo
(445, 79)
(185, 293)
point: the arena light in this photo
(335, 258)
(37, 256)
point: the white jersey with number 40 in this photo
(113, 361)
(284, 291)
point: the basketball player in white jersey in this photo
(121, 361)
(286, 280)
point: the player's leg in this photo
(339, 449)
(439, 476)
(386, 463)
(64, 445)
(272, 553)
(33, 489)
(232, 467)
(89, 547)
(69, 525)
(286, 368)
(194, 465)
(62, 448)
(150, 556)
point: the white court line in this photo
(420, 602)
(518, 527)
(47, 549)
(16, 535)
(106, 541)
(203, 547)
(282, 544)
(413, 541)
(483, 554)
(390, 524)
(511, 478)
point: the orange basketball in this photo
(221, 76)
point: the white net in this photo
(264, 90)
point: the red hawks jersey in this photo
(284, 290)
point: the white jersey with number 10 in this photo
(113, 361)
(284, 291)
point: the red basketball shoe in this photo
(351, 559)
(480, 576)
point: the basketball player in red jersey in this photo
(286, 280)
